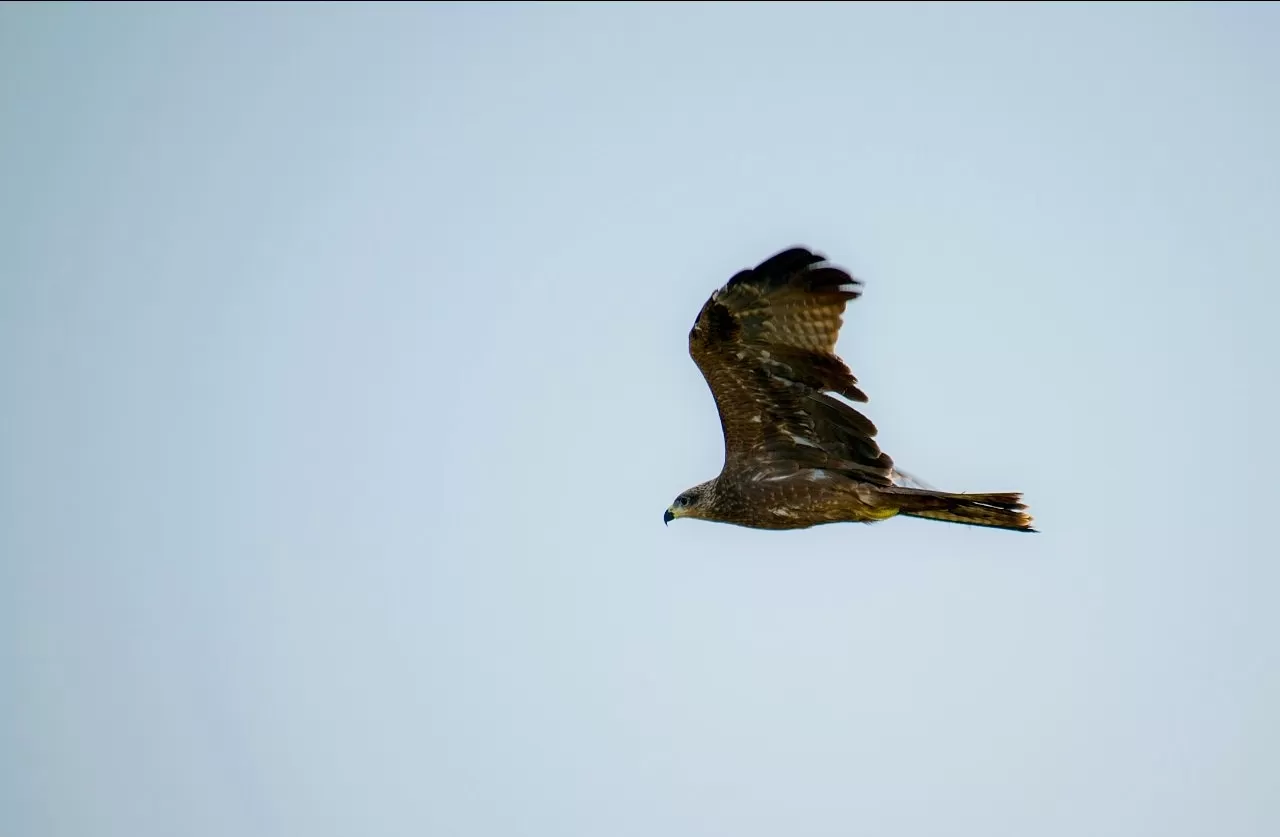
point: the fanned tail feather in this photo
(998, 511)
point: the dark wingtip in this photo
(789, 260)
(780, 267)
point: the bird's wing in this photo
(765, 342)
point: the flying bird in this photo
(795, 456)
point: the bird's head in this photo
(692, 502)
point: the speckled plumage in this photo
(794, 455)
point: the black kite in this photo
(794, 456)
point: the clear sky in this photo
(345, 376)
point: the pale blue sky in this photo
(346, 381)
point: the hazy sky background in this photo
(344, 361)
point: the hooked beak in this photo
(667, 517)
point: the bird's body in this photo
(794, 455)
(774, 498)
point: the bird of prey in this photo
(794, 455)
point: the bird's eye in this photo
(681, 502)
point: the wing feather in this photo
(765, 343)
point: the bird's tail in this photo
(998, 511)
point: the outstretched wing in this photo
(765, 342)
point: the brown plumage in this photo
(795, 456)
